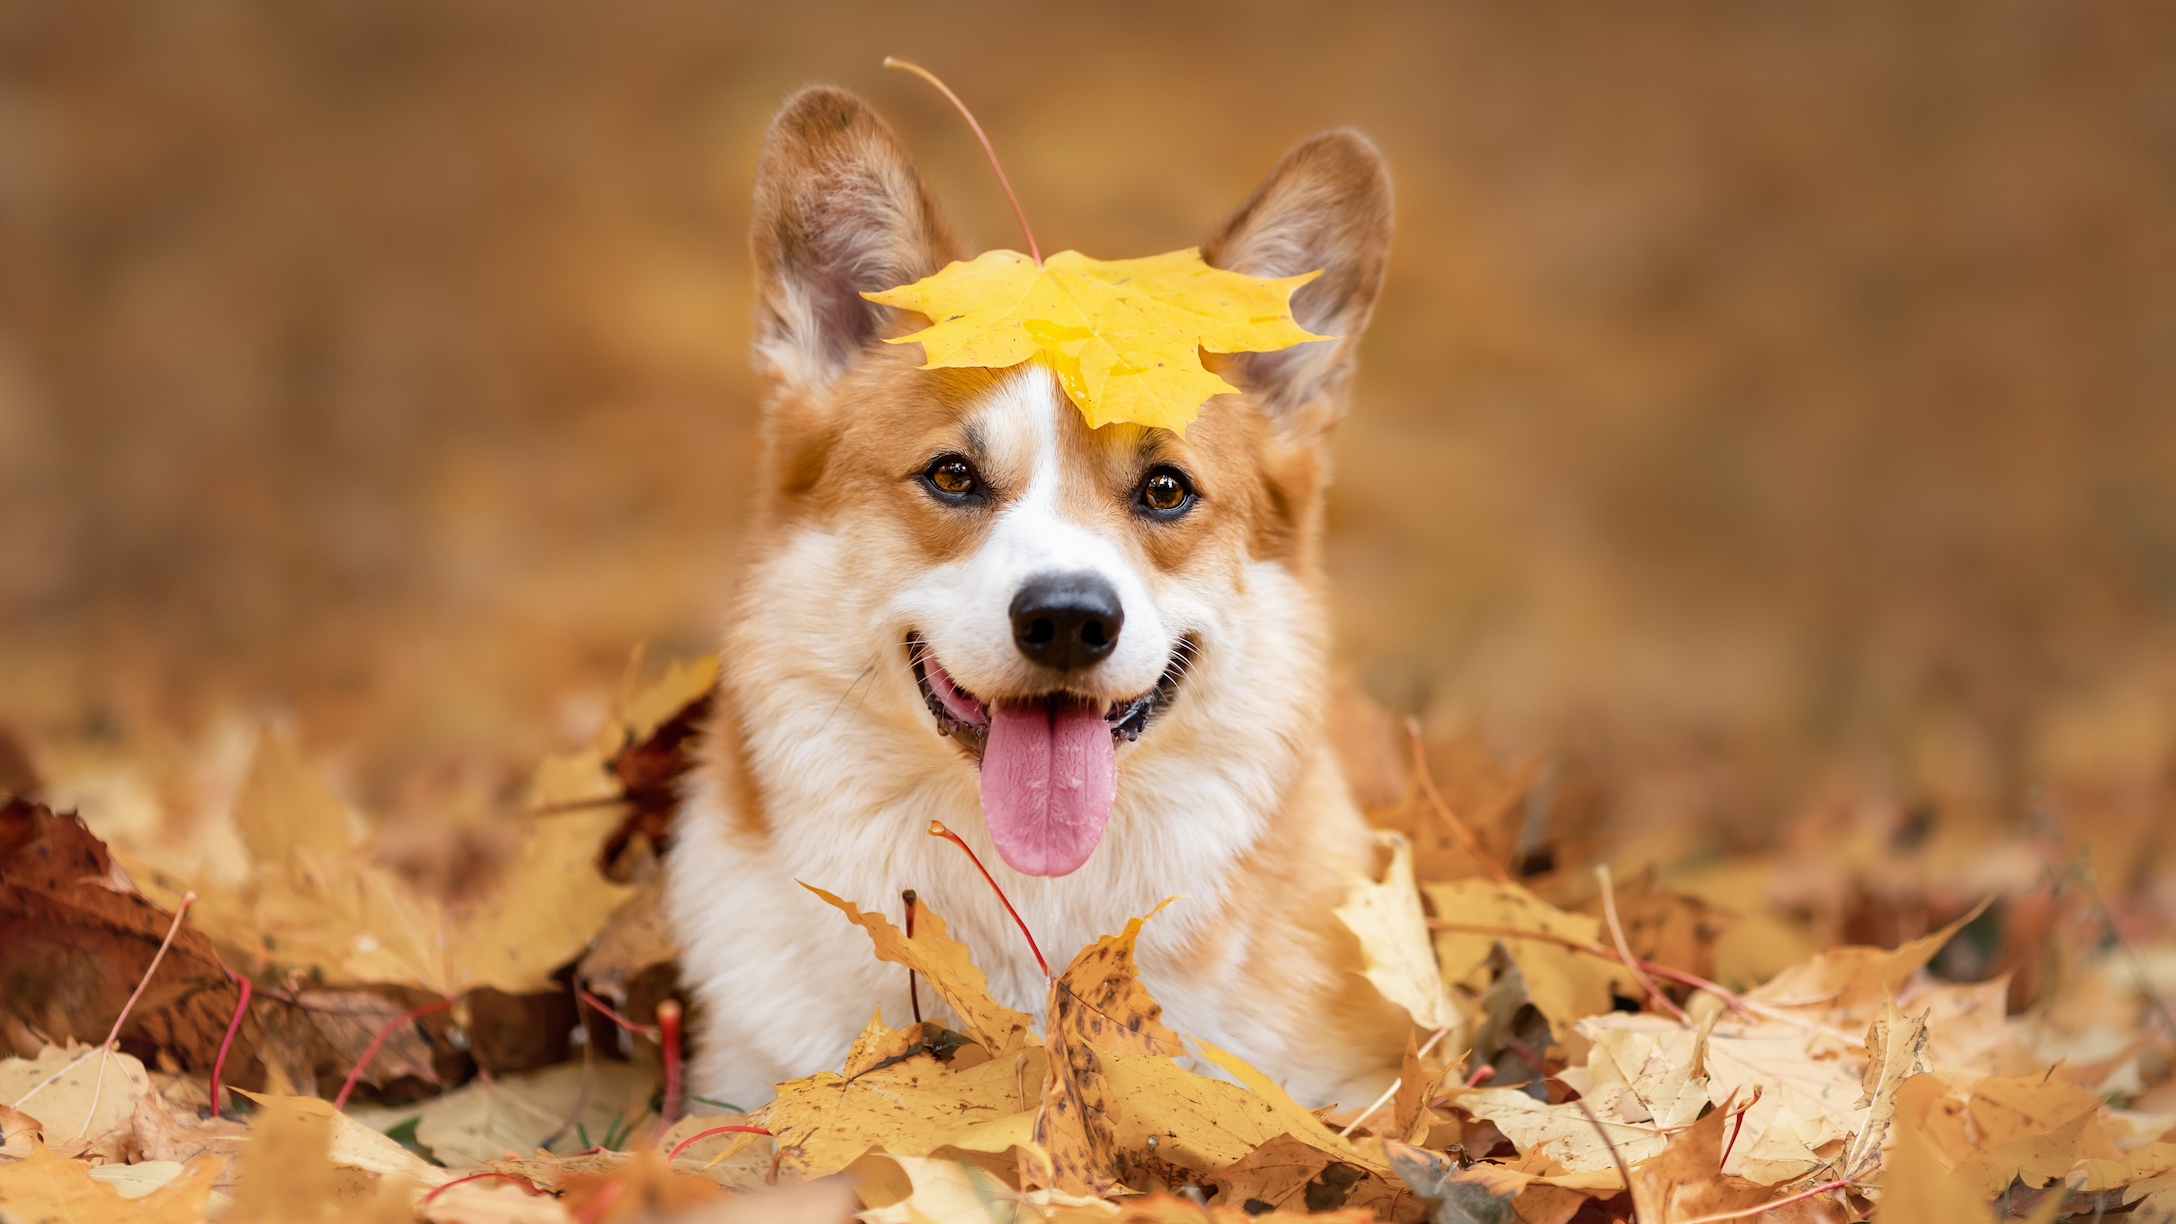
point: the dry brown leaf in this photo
(549, 902)
(1268, 1102)
(1846, 987)
(1565, 984)
(1915, 1186)
(77, 1094)
(634, 939)
(1794, 1067)
(939, 1191)
(1396, 952)
(308, 1124)
(1103, 999)
(486, 1119)
(1574, 1142)
(1666, 927)
(1894, 1045)
(492, 1202)
(1479, 791)
(1098, 1011)
(2035, 1161)
(1631, 1079)
(943, 963)
(1784, 1150)
(1686, 1179)
(1290, 1174)
(287, 1173)
(2006, 1109)
(49, 1189)
(2153, 1161)
(737, 1161)
(74, 1093)
(160, 1132)
(76, 938)
(1968, 1026)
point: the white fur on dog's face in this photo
(962, 607)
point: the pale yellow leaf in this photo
(74, 1093)
(1397, 953)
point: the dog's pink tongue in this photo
(1048, 778)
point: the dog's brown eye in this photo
(953, 479)
(1165, 494)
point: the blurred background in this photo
(1770, 405)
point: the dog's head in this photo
(1049, 590)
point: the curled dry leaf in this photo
(1098, 1011)
(943, 963)
(1846, 987)
(1397, 954)
(1686, 1179)
(1895, 1044)
(1289, 1174)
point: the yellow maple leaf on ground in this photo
(1124, 336)
(53, 1189)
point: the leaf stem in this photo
(241, 1008)
(1624, 948)
(1770, 1206)
(1019, 215)
(105, 1049)
(914, 990)
(682, 1146)
(1639, 1212)
(1391, 1091)
(668, 1026)
(384, 1031)
(520, 1181)
(937, 829)
(1435, 798)
(648, 1030)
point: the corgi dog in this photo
(1098, 655)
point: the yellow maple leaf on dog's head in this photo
(1124, 336)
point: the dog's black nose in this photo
(1066, 620)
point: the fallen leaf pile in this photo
(1674, 1040)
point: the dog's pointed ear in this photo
(839, 210)
(1326, 205)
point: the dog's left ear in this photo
(1326, 205)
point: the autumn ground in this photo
(1761, 486)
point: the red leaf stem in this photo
(937, 829)
(241, 1008)
(386, 1030)
(682, 1146)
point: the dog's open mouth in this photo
(1049, 762)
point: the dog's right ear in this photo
(839, 210)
